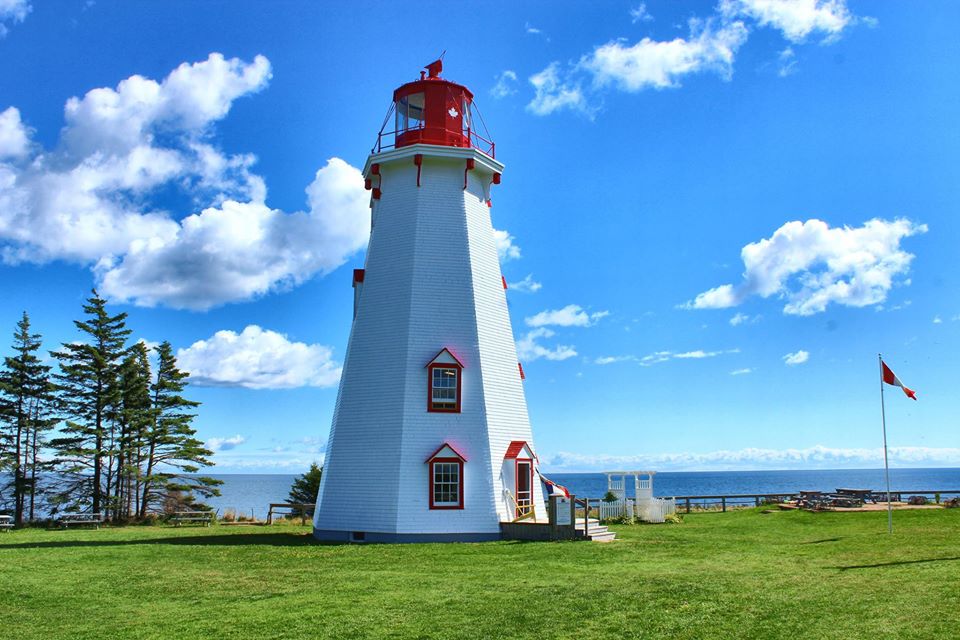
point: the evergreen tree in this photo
(25, 387)
(173, 454)
(88, 378)
(135, 417)
(305, 489)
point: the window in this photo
(443, 388)
(409, 112)
(446, 478)
(446, 484)
(444, 383)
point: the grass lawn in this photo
(741, 574)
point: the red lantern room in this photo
(432, 110)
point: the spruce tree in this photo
(88, 378)
(173, 454)
(135, 417)
(24, 385)
(305, 489)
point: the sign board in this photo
(563, 510)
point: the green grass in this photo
(735, 575)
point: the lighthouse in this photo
(430, 439)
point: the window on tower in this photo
(410, 112)
(446, 478)
(444, 383)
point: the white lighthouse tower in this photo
(430, 438)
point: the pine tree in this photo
(173, 454)
(305, 489)
(25, 387)
(88, 379)
(135, 417)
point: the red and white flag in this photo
(891, 378)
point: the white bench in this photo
(6, 523)
(96, 519)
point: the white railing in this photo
(609, 510)
(656, 510)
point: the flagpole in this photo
(886, 464)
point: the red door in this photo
(524, 487)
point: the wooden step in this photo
(609, 536)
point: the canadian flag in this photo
(891, 378)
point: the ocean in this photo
(251, 494)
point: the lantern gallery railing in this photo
(388, 140)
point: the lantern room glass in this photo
(410, 113)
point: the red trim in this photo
(418, 160)
(444, 365)
(452, 448)
(523, 376)
(459, 463)
(496, 178)
(515, 448)
(358, 275)
(376, 194)
(452, 355)
(375, 168)
(367, 184)
(504, 283)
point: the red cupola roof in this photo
(432, 110)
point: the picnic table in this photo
(6, 523)
(199, 517)
(864, 495)
(96, 519)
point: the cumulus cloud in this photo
(506, 84)
(240, 250)
(12, 12)
(506, 249)
(14, 135)
(225, 444)
(572, 315)
(661, 64)
(555, 92)
(795, 19)
(711, 46)
(796, 358)
(527, 285)
(811, 265)
(258, 359)
(816, 457)
(529, 348)
(88, 200)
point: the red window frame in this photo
(444, 365)
(459, 463)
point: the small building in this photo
(430, 439)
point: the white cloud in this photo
(240, 250)
(742, 318)
(529, 28)
(529, 349)
(258, 359)
(640, 14)
(527, 285)
(506, 84)
(554, 93)
(796, 19)
(660, 64)
(89, 200)
(740, 372)
(12, 11)
(698, 354)
(816, 457)
(225, 444)
(787, 62)
(604, 360)
(937, 319)
(14, 135)
(796, 358)
(505, 247)
(571, 315)
(811, 265)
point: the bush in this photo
(917, 500)
(952, 503)
(610, 497)
(229, 515)
(674, 518)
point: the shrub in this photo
(916, 500)
(610, 497)
(674, 518)
(952, 503)
(229, 515)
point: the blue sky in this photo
(714, 215)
